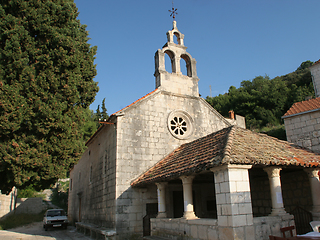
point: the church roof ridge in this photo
(145, 96)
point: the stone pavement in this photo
(36, 231)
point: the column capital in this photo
(161, 185)
(312, 172)
(187, 179)
(272, 171)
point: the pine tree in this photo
(46, 83)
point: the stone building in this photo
(170, 155)
(302, 120)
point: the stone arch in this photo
(187, 60)
(172, 58)
(178, 36)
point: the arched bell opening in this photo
(187, 69)
(176, 38)
(169, 61)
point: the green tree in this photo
(263, 101)
(101, 116)
(46, 85)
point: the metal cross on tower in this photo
(173, 12)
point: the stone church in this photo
(169, 164)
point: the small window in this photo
(90, 174)
(70, 184)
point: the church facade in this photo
(172, 158)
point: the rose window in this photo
(180, 124)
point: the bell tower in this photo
(175, 81)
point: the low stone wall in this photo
(269, 225)
(7, 202)
(29, 205)
(205, 229)
(179, 228)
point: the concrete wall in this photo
(7, 202)
(304, 130)
(92, 182)
(143, 138)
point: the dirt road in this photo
(36, 231)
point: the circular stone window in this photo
(180, 124)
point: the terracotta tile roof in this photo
(232, 145)
(304, 106)
(135, 102)
(316, 63)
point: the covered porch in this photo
(233, 184)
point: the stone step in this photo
(155, 238)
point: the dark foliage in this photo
(263, 101)
(46, 85)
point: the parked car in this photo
(55, 218)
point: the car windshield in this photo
(54, 213)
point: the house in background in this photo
(302, 120)
(170, 155)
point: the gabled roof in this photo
(232, 145)
(303, 107)
(135, 102)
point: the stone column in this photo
(161, 191)
(234, 208)
(315, 190)
(187, 197)
(275, 189)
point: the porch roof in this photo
(232, 145)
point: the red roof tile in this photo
(304, 106)
(232, 145)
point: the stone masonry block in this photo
(223, 221)
(245, 208)
(224, 187)
(194, 231)
(235, 209)
(239, 233)
(233, 186)
(221, 198)
(203, 232)
(236, 174)
(239, 220)
(217, 188)
(226, 209)
(243, 186)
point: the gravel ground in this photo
(36, 231)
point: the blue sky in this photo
(231, 40)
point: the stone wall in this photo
(204, 229)
(296, 190)
(197, 229)
(92, 181)
(304, 130)
(29, 205)
(260, 192)
(265, 226)
(7, 202)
